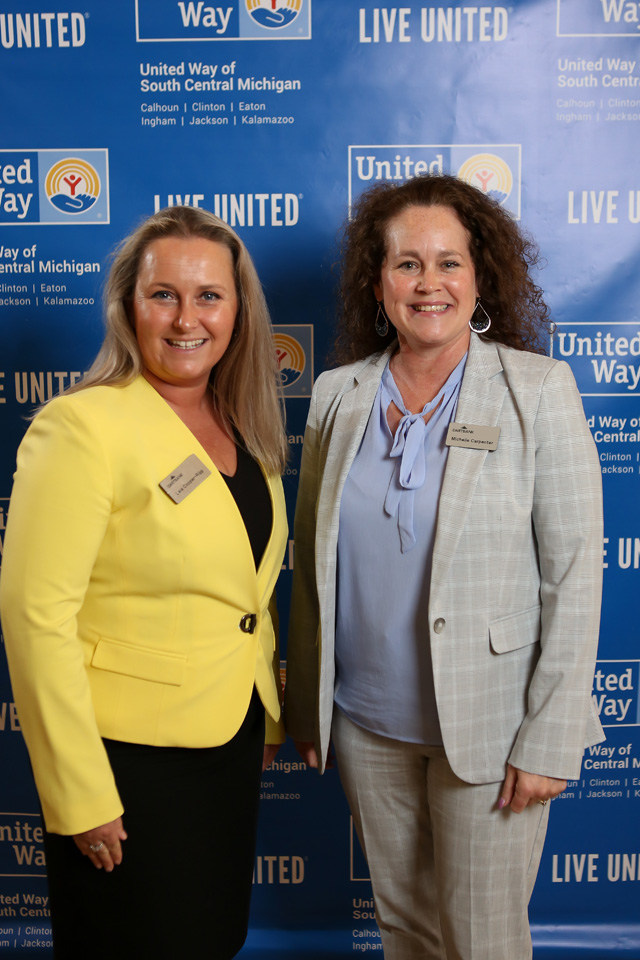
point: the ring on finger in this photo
(96, 847)
(543, 802)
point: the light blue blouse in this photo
(387, 529)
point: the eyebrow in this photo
(169, 284)
(441, 253)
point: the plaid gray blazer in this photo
(517, 567)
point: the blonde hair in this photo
(245, 381)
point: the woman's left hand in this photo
(103, 844)
(270, 750)
(520, 789)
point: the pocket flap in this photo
(515, 631)
(133, 661)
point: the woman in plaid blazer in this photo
(448, 571)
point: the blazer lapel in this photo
(174, 436)
(482, 395)
(348, 428)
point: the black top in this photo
(249, 489)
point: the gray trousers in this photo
(452, 875)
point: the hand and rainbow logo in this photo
(488, 173)
(273, 13)
(290, 357)
(72, 185)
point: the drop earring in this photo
(382, 321)
(479, 324)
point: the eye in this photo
(162, 295)
(407, 265)
(450, 264)
(209, 296)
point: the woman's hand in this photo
(520, 789)
(106, 844)
(307, 750)
(270, 750)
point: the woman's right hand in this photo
(106, 842)
(307, 750)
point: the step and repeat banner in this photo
(276, 115)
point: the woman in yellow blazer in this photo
(146, 534)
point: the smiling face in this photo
(427, 280)
(184, 309)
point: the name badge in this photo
(185, 478)
(473, 436)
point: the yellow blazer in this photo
(121, 609)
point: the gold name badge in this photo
(185, 478)
(473, 436)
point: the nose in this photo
(428, 279)
(186, 318)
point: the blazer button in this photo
(439, 625)
(248, 623)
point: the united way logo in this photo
(72, 185)
(493, 168)
(273, 14)
(189, 20)
(616, 691)
(490, 174)
(22, 854)
(294, 353)
(598, 18)
(603, 356)
(54, 186)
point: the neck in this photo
(188, 398)
(420, 375)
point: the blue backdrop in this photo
(276, 114)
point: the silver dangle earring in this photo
(382, 321)
(479, 324)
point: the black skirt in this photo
(184, 885)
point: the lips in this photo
(185, 344)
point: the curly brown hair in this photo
(502, 257)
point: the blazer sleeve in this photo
(58, 514)
(301, 690)
(568, 527)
